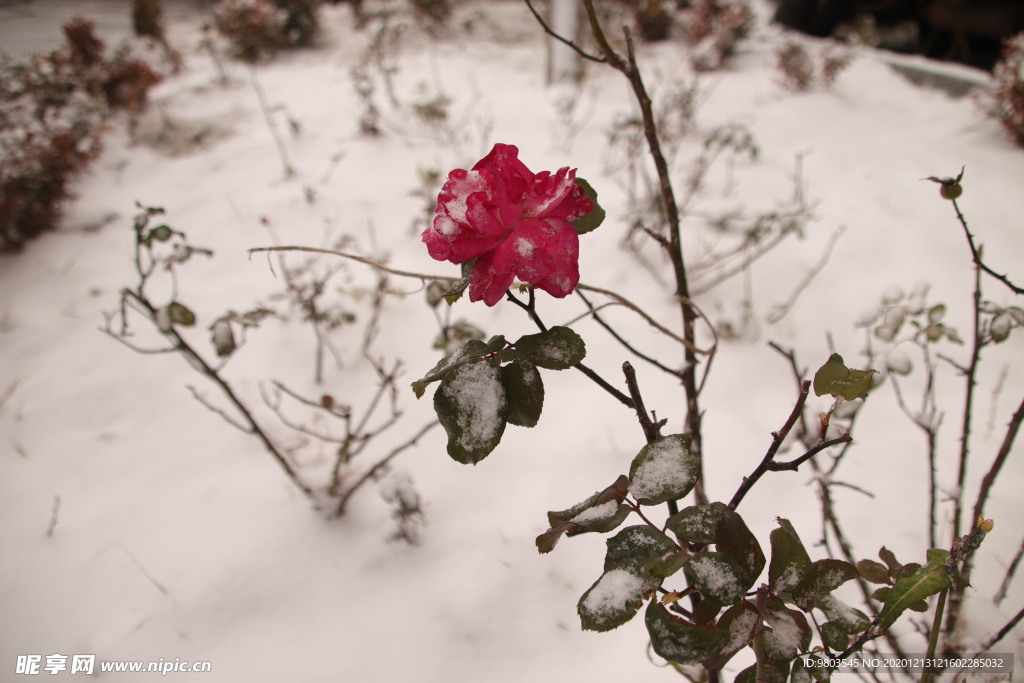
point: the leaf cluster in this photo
(486, 385)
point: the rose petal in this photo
(487, 284)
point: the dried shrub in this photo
(49, 132)
(301, 21)
(795, 66)
(255, 28)
(1005, 102)
(715, 29)
(52, 109)
(434, 12)
(148, 20)
(128, 80)
(653, 21)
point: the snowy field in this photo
(137, 525)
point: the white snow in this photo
(476, 391)
(665, 468)
(605, 510)
(178, 537)
(616, 590)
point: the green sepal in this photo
(454, 293)
(472, 407)
(592, 220)
(557, 348)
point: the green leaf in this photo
(592, 220)
(525, 392)
(698, 523)
(679, 641)
(835, 636)
(838, 612)
(636, 548)
(557, 348)
(665, 469)
(472, 407)
(775, 672)
(601, 512)
(471, 351)
(223, 337)
(824, 577)
(627, 579)
(925, 582)
(790, 564)
(161, 233)
(788, 632)
(738, 624)
(717, 577)
(181, 315)
(614, 599)
(1000, 327)
(735, 540)
(836, 379)
(453, 293)
(890, 560)
(873, 571)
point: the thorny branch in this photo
(628, 67)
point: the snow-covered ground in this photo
(137, 525)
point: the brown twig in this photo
(628, 67)
(976, 253)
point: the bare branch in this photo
(562, 39)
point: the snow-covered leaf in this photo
(823, 578)
(472, 407)
(470, 351)
(790, 564)
(665, 469)
(788, 632)
(614, 599)
(679, 641)
(601, 512)
(557, 348)
(698, 523)
(717, 577)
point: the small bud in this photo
(949, 188)
(327, 401)
(985, 525)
